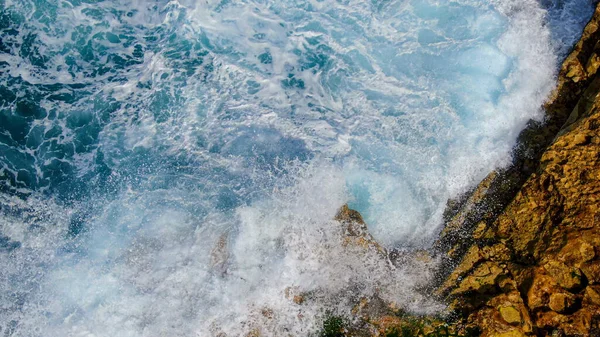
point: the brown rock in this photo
(533, 265)
(567, 277)
(575, 73)
(298, 299)
(470, 260)
(483, 279)
(539, 292)
(479, 231)
(581, 139)
(592, 64)
(587, 252)
(511, 333)
(592, 295)
(561, 302)
(577, 324)
(497, 252)
(576, 252)
(550, 319)
(511, 315)
(592, 271)
(346, 214)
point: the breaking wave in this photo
(173, 167)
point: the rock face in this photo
(528, 263)
(576, 88)
(521, 252)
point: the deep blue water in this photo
(172, 167)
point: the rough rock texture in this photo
(529, 262)
(492, 195)
(522, 250)
(372, 316)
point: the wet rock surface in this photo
(527, 263)
(521, 252)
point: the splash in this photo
(173, 167)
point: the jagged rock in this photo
(348, 215)
(484, 279)
(577, 252)
(581, 323)
(357, 233)
(523, 260)
(519, 253)
(471, 259)
(498, 252)
(592, 295)
(567, 277)
(480, 230)
(561, 302)
(539, 292)
(592, 271)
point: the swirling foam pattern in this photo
(172, 167)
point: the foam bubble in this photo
(180, 162)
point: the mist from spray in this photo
(173, 167)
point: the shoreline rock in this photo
(521, 252)
(535, 248)
(575, 91)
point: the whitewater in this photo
(173, 168)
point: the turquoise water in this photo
(172, 167)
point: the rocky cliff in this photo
(521, 252)
(531, 267)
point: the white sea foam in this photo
(203, 175)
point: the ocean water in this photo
(172, 168)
